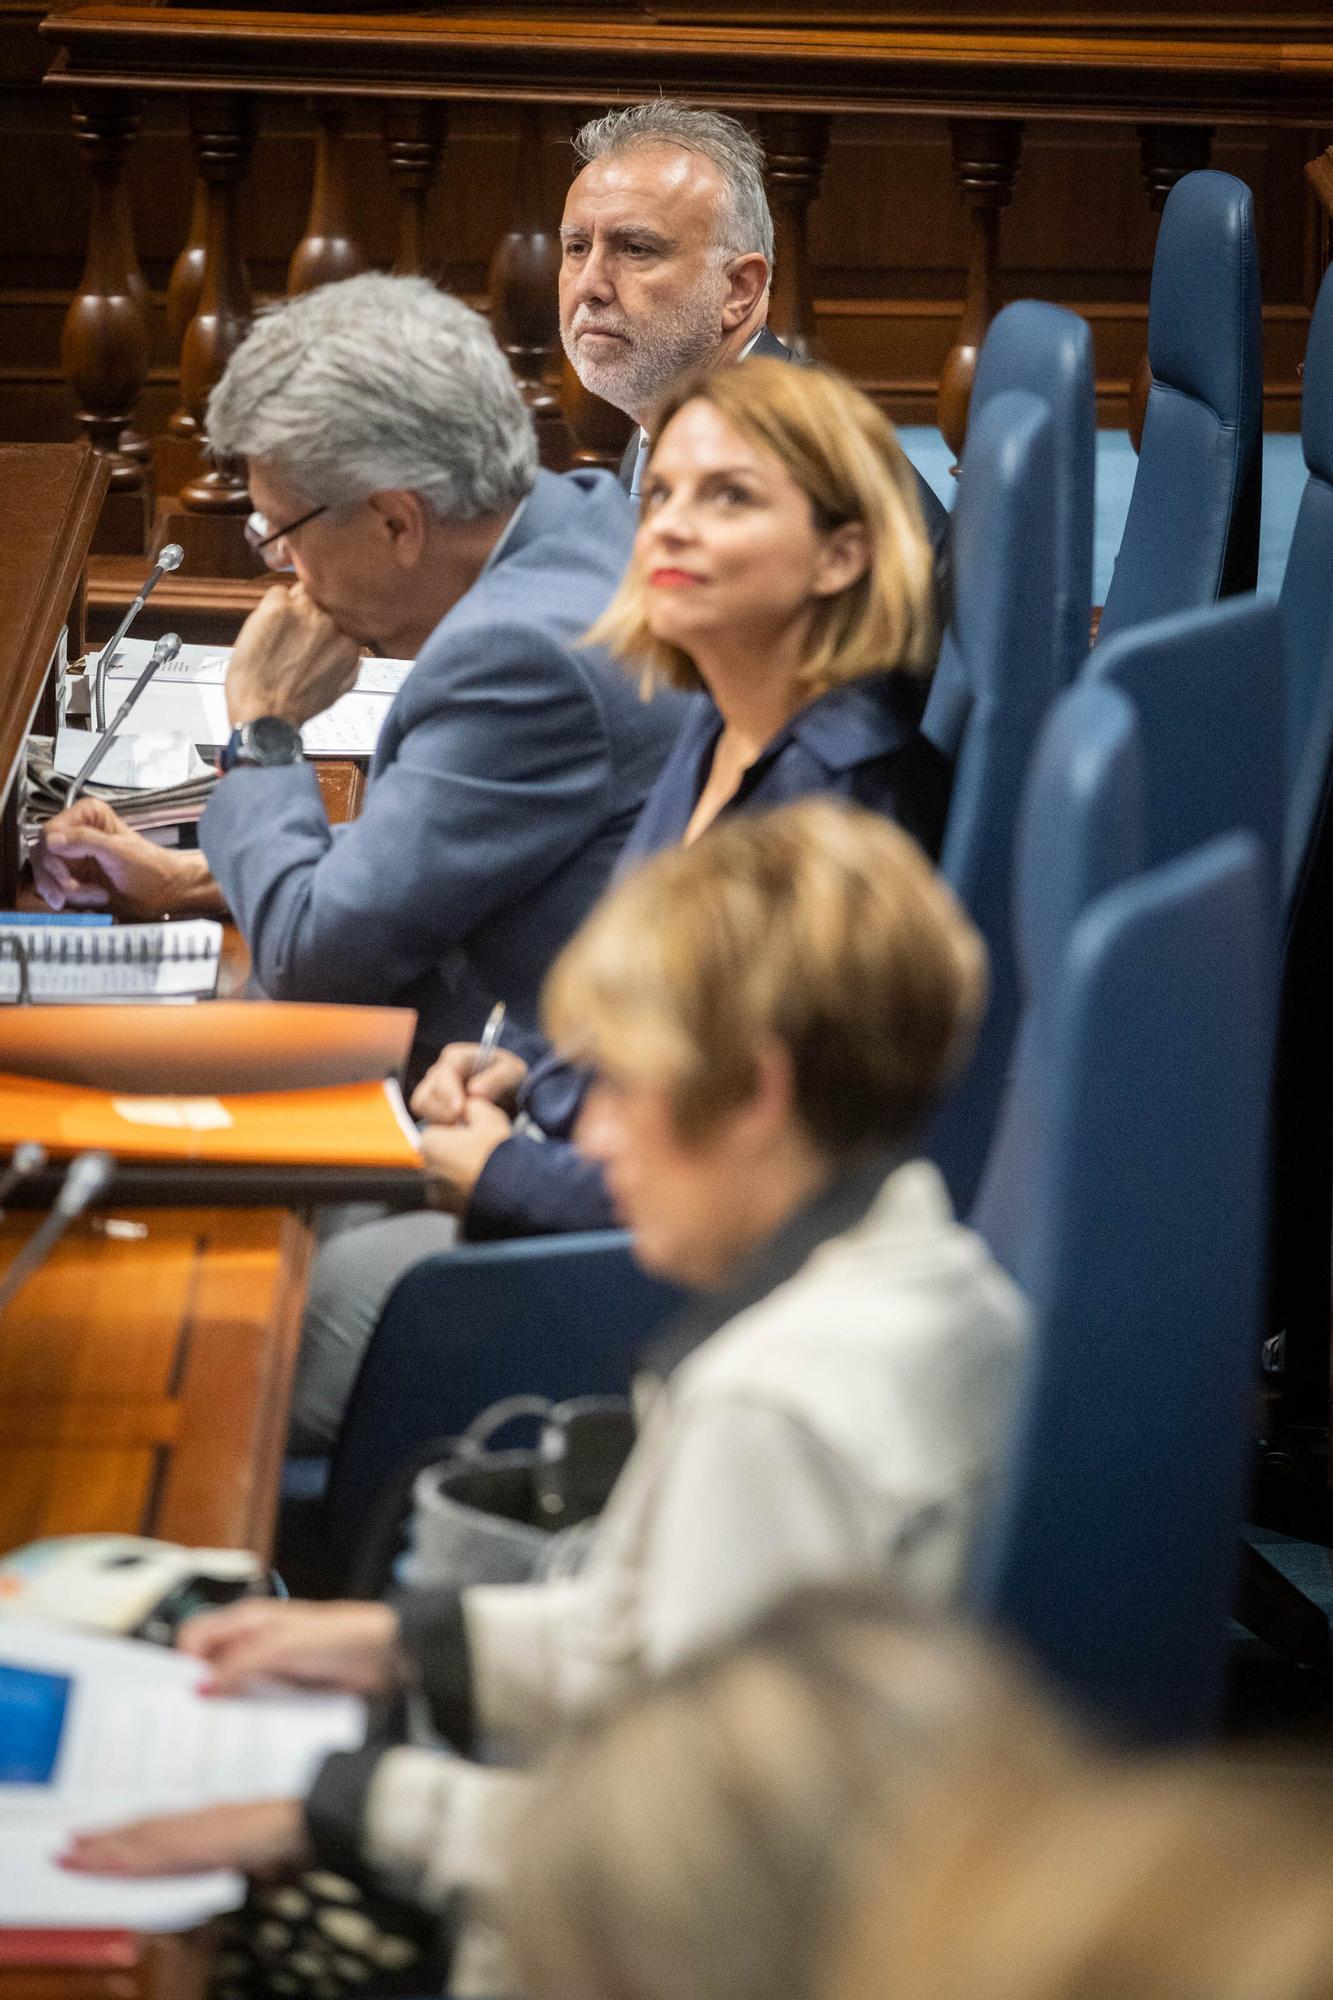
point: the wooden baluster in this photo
(414, 136)
(986, 153)
(210, 518)
(598, 432)
(1168, 152)
(795, 147)
(328, 251)
(523, 283)
(104, 345)
(178, 456)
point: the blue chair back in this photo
(1207, 690)
(999, 646)
(1110, 1551)
(1044, 351)
(1192, 532)
(1306, 602)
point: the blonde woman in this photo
(770, 1013)
(782, 575)
(705, 1838)
(1161, 1881)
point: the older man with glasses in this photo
(393, 468)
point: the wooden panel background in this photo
(886, 233)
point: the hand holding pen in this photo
(470, 1069)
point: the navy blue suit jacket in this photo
(511, 767)
(859, 742)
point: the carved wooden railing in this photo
(1193, 71)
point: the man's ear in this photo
(747, 281)
(844, 557)
(402, 522)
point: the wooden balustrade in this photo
(104, 347)
(986, 153)
(414, 136)
(328, 250)
(210, 517)
(1169, 152)
(1169, 76)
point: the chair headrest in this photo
(1317, 387)
(1204, 328)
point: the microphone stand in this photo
(164, 651)
(171, 557)
(87, 1178)
(27, 1159)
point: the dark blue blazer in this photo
(510, 768)
(859, 742)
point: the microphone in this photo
(87, 1178)
(27, 1159)
(169, 558)
(166, 649)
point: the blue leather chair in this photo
(1192, 532)
(1046, 352)
(1135, 1222)
(1306, 602)
(999, 647)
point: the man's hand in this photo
(456, 1154)
(351, 1648)
(441, 1096)
(267, 1838)
(290, 659)
(88, 859)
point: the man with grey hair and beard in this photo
(667, 251)
(394, 469)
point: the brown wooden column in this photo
(104, 348)
(795, 147)
(329, 250)
(986, 152)
(414, 136)
(1168, 152)
(523, 282)
(178, 457)
(210, 517)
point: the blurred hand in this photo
(351, 1648)
(266, 1838)
(455, 1154)
(442, 1094)
(88, 859)
(290, 659)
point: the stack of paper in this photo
(95, 1732)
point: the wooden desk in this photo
(144, 1380)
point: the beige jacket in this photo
(843, 1428)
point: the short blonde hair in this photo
(1161, 1881)
(844, 455)
(819, 926)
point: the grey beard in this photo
(657, 357)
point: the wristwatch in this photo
(268, 740)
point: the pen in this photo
(490, 1036)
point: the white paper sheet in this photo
(100, 1731)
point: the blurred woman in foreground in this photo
(770, 1014)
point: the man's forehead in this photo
(662, 187)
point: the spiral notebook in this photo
(173, 961)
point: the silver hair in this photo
(377, 383)
(745, 223)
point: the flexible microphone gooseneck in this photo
(87, 1179)
(27, 1159)
(165, 650)
(169, 558)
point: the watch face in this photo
(272, 741)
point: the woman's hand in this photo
(454, 1155)
(350, 1648)
(266, 1838)
(442, 1094)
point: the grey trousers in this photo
(362, 1254)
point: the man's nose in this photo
(592, 281)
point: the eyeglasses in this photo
(260, 538)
